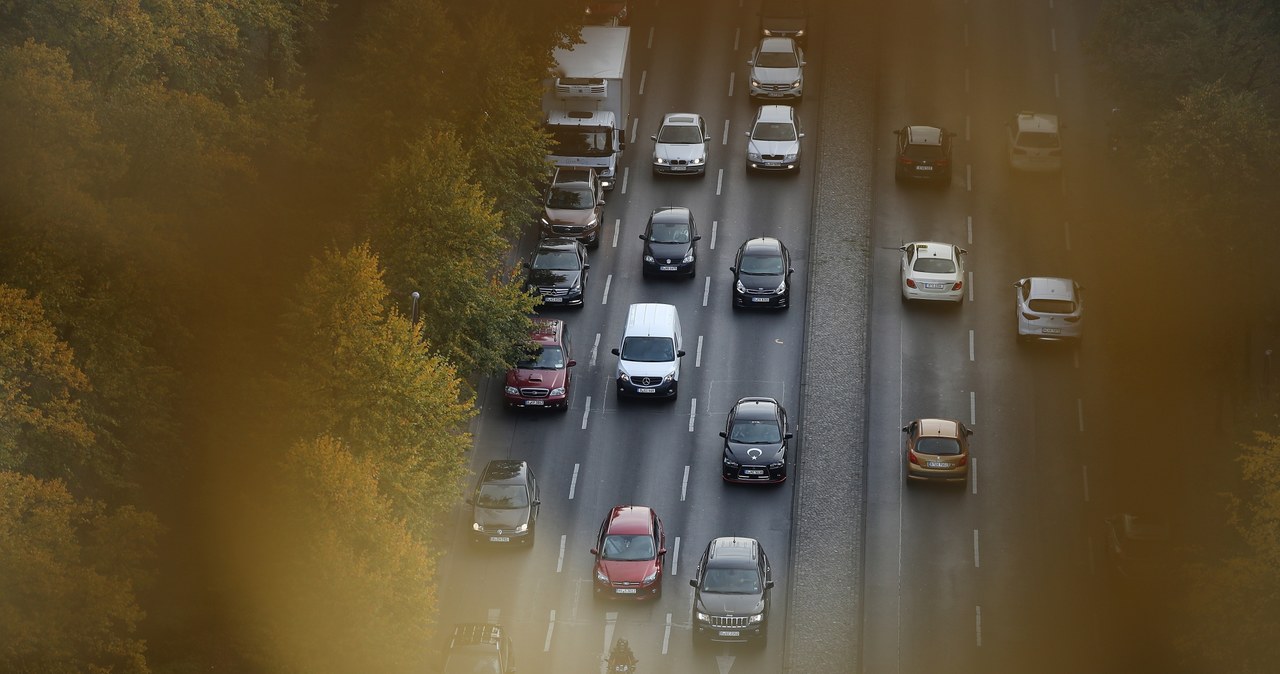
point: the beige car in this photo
(937, 449)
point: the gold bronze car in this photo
(937, 449)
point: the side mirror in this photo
(536, 501)
(693, 582)
(803, 62)
(750, 61)
(733, 269)
(614, 351)
(968, 431)
(662, 551)
(571, 363)
(643, 237)
(902, 248)
(680, 353)
(906, 429)
(706, 139)
(525, 264)
(1017, 284)
(723, 434)
(963, 251)
(595, 551)
(800, 135)
(768, 585)
(788, 436)
(897, 132)
(697, 237)
(653, 138)
(586, 266)
(790, 269)
(603, 202)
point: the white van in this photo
(650, 352)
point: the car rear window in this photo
(1037, 139)
(924, 152)
(938, 446)
(1045, 306)
(934, 265)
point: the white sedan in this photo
(932, 271)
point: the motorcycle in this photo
(621, 660)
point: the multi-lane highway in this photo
(1001, 575)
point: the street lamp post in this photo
(413, 314)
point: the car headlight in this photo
(782, 288)
(557, 391)
(659, 160)
(796, 84)
(753, 156)
(739, 287)
(477, 527)
(702, 617)
(688, 258)
(670, 375)
(624, 377)
(648, 258)
(592, 223)
(777, 464)
(653, 575)
(545, 221)
(768, 33)
(522, 528)
(698, 161)
(791, 157)
(757, 618)
(577, 283)
(601, 577)
(731, 463)
(755, 83)
(512, 391)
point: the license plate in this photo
(552, 299)
(647, 390)
(754, 471)
(625, 590)
(730, 633)
(935, 286)
(678, 168)
(924, 168)
(1051, 331)
(667, 268)
(535, 402)
(499, 539)
(937, 464)
(759, 299)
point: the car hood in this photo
(754, 454)
(676, 151)
(554, 278)
(504, 518)
(729, 604)
(521, 377)
(668, 251)
(570, 216)
(639, 369)
(760, 282)
(775, 75)
(774, 146)
(627, 571)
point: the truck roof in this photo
(603, 55)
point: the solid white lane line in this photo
(714, 225)
(693, 412)
(675, 552)
(706, 290)
(573, 481)
(643, 74)
(666, 635)
(968, 225)
(585, 413)
(684, 486)
(650, 42)
(973, 474)
(977, 622)
(970, 287)
(595, 348)
(737, 35)
(977, 559)
(1080, 413)
(617, 227)
(697, 357)
(551, 628)
(719, 181)
(971, 339)
(608, 280)
(724, 138)
(635, 124)
(973, 408)
(560, 559)
(730, 84)
(626, 175)
(1084, 472)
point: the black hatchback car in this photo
(924, 153)
(762, 274)
(505, 504)
(731, 595)
(755, 441)
(670, 243)
(557, 270)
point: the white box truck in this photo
(587, 101)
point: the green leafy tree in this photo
(358, 372)
(438, 234)
(71, 573)
(343, 586)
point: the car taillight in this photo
(964, 460)
(911, 456)
(911, 283)
(941, 162)
(957, 285)
(1071, 319)
(904, 161)
(1030, 317)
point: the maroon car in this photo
(542, 378)
(629, 552)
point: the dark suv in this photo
(479, 647)
(924, 153)
(731, 595)
(557, 270)
(542, 377)
(574, 205)
(505, 504)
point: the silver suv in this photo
(680, 147)
(774, 139)
(574, 205)
(777, 69)
(1049, 308)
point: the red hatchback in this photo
(629, 551)
(541, 378)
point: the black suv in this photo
(784, 18)
(479, 647)
(731, 595)
(924, 153)
(505, 503)
(557, 270)
(755, 442)
(670, 243)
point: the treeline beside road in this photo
(1198, 88)
(223, 446)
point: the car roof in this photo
(557, 243)
(934, 249)
(572, 174)
(780, 44)
(630, 520)
(1037, 121)
(924, 135)
(940, 428)
(756, 408)
(733, 551)
(1043, 287)
(775, 113)
(762, 245)
(672, 214)
(680, 119)
(505, 471)
(546, 331)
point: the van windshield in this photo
(648, 349)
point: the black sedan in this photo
(755, 441)
(557, 271)
(670, 243)
(762, 274)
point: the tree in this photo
(438, 233)
(71, 570)
(357, 371)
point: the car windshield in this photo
(570, 197)
(679, 134)
(924, 152)
(1047, 306)
(777, 59)
(543, 358)
(574, 143)
(669, 232)
(731, 581)
(502, 496)
(938, 446)
(774, 131)
(628, 547)
(761, 265)
(472, 663)
(563, 260)
(934, 265)
(1037, 139)
(648, 349)
(755, 431)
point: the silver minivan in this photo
(650, 352)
